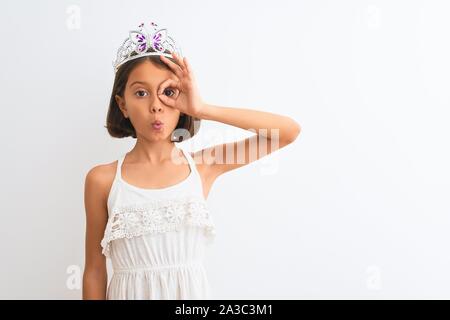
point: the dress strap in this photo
(190, 160)
(119, 166)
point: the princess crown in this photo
(144, 42)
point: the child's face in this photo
(142, 104)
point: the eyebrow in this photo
(141, 82)
(145, 83)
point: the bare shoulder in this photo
(99, 179)
(204, 159)
(205, 171)
(198, 160)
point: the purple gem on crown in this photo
(142, 43)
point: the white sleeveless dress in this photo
(156, 239)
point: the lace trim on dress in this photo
(156, 216)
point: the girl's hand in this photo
(188, 99)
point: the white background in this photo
(357, 207)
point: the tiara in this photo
(145, 42)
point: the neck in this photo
(153, 152)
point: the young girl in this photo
(147, 211)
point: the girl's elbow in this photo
(294, 132)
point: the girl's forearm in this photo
(94, 285)
(247, 119)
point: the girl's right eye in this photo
(140, 91)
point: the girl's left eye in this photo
(174, 92)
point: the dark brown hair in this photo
(120, 127)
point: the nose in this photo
(156, 108)
(157, 105)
